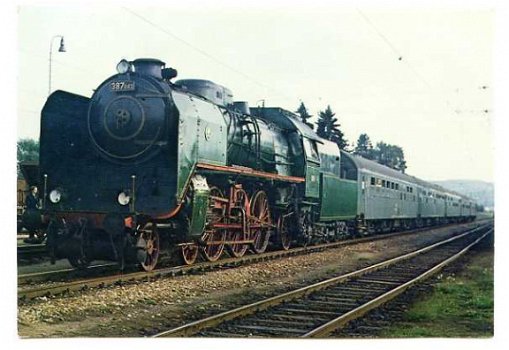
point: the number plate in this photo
(122, 85)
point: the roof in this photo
(363, 163)
(30, 171)
(286, 120)
(370, 165)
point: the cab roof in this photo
(285, 120)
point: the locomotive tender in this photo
(146, 166)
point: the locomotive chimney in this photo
(149, 66)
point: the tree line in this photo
(27, 150)
(328, 127)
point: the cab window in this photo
(311, 149)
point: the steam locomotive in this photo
(148, 167)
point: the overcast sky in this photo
(435, 102)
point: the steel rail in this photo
(58, 275)
(358, 312)
(55, 275)
(119, 278)
(215, 320)
(31, 250)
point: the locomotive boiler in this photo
(146, 165)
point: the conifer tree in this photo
(328, 128)
(304, 115)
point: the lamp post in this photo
(60, 49)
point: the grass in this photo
(459, 305)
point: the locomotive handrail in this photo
(151, 95)
(250, 172)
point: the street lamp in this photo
(60, 49)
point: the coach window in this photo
(372, 181)
(397, 187)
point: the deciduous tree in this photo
(390, 155)
(364, 147)
(27, 150)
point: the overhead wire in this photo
(393, 48)
(419, 76)
(206, 54)
(406, 61)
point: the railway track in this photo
(322, 308)
(32, 251)
(127, 276)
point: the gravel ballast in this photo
(144, 308)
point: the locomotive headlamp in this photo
(123, 198)
(55, 196)
(123, 67)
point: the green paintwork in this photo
(201, 136)
(256, 144)
(339, 198)
(198, 215)
(312, 181)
